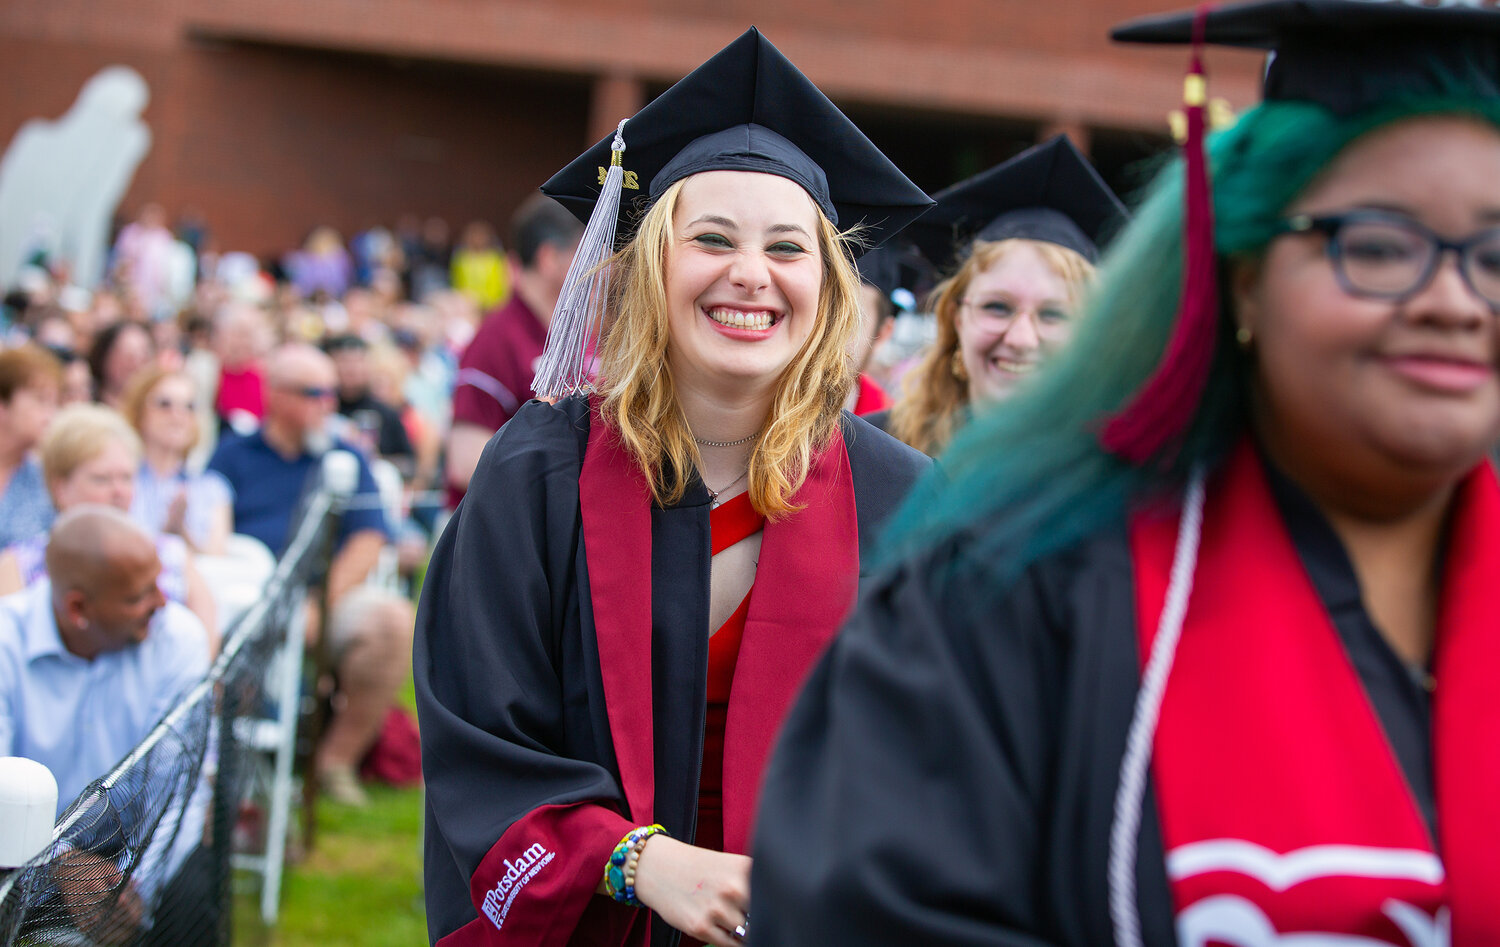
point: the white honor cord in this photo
(1125, 831)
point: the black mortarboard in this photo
(1348, 55)
(748, 109)
(898, 265)
(881, 268)
(1049, 192)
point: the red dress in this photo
(730, 523)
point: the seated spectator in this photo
(427, 260)
(390, 375)
(77, 380)
(479, 268)
(29, 379)
(90, 455)
(369, 628)
(90, 660)
(371, 250)
(321, 266)
(119, 351)
(418, 337)
(364, 313)
(50, 328)
(162, 407)
(147, 262)
(375, 419)
(240, 334)
(389, 369)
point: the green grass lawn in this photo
(360, 885)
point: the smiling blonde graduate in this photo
(641, 574)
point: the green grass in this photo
(360, 886)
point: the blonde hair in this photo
(933, 396)
(388, 370)
(640, 397)
(79, 433)
(133, 403)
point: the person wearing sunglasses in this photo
(368, 626)
(1199, 643)
(169, 498)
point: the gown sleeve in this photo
(906, 799)
(520, 823)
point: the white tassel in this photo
(566, 362)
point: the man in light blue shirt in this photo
(91, 659)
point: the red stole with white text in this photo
(1285, 815)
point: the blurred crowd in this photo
(197, 392)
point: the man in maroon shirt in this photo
(495, 372)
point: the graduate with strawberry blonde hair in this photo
(1014, 248)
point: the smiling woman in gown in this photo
(641, 574)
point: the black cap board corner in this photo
(1049, 192)
(747, 108)
(1349, 55)
(896, 265)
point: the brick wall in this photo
(271, 116)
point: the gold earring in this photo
(1243, 337)
(959, 372)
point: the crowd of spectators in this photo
(158, 426)
(195, 392)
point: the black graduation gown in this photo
(949, 773)
(510, 691)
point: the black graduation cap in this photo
(881, 268)
(1048, 192)
(1348, 55)
(896, 265)
(748, 109)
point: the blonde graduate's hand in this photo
(703, 893)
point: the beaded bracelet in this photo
(619, 874)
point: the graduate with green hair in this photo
(1193, 642)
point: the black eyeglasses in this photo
(1381, 255)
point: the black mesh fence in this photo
(143, 856)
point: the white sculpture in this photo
(60, 181)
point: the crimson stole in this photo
(1283, 808)
(805, 584)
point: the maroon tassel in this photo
(1160, 412)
